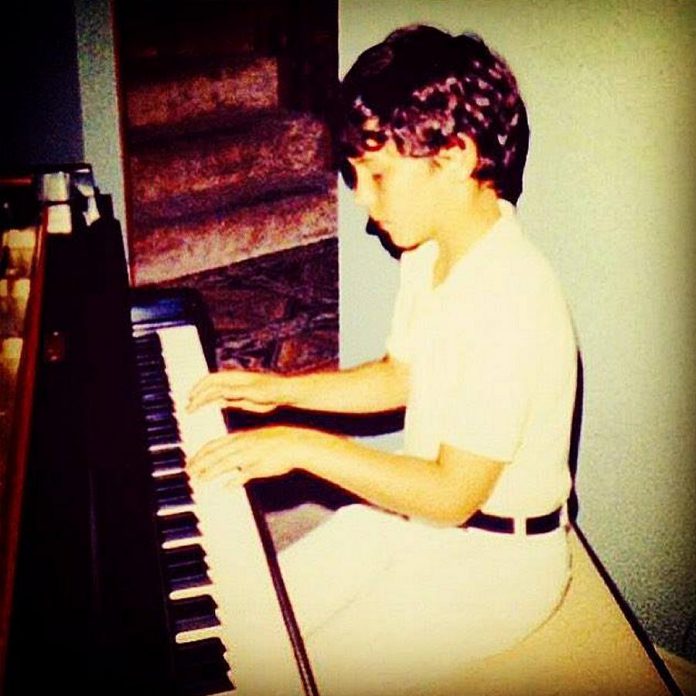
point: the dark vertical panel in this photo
(40, 118)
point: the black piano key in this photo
(207, 679)
(182, 525)
(167, 460)
(148, 344)
(146, 338)
(167, 424)
(151, 373)
(171, 491)
(148, 351)
(147, 357)
(185, 567)
(194, 613)
(159, 439)
(162, 438)
(162, 406)
(179, 480)
(150, 364)
(183, 555)
(144, 351)
(158, 415)
(175, 454)
(151, 367)
(155, 397)
(202, 667)
(144, 354)
(153, 383)
(156, 403)
(162, 435)
(162, 425)
(154, 393)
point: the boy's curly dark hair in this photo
(422, 88)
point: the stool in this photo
(587, 648)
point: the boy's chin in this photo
(385, 238)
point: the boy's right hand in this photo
(259, 392)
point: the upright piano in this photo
(119, 575)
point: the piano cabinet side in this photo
(14, 448)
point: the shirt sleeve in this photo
(413, 272)
(397, 343)
(491, 369)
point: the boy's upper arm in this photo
(488, 390)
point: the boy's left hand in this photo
(259, 453)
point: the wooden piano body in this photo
(88, 602)
(70, 607)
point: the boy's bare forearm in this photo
(368, 388)
(444, 491)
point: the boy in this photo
(460, 549)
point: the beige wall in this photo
(99, 96)
(609, 196)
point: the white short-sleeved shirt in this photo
(492, 359)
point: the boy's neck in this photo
(461, 228)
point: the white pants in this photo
(389, 606)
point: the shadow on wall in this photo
(575, 433)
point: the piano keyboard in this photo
(228, 629)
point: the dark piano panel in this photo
(88, 612)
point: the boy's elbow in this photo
(456, 517)
(449, 513)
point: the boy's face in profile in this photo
(403, 195)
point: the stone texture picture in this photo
(230, 177)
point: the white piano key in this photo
(190, 592)
(198, 634)
(176, 509)
(178, 543)
(160, 473)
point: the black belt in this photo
(506, 525)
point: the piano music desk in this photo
(588, 648)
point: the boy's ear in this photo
(461, 159)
